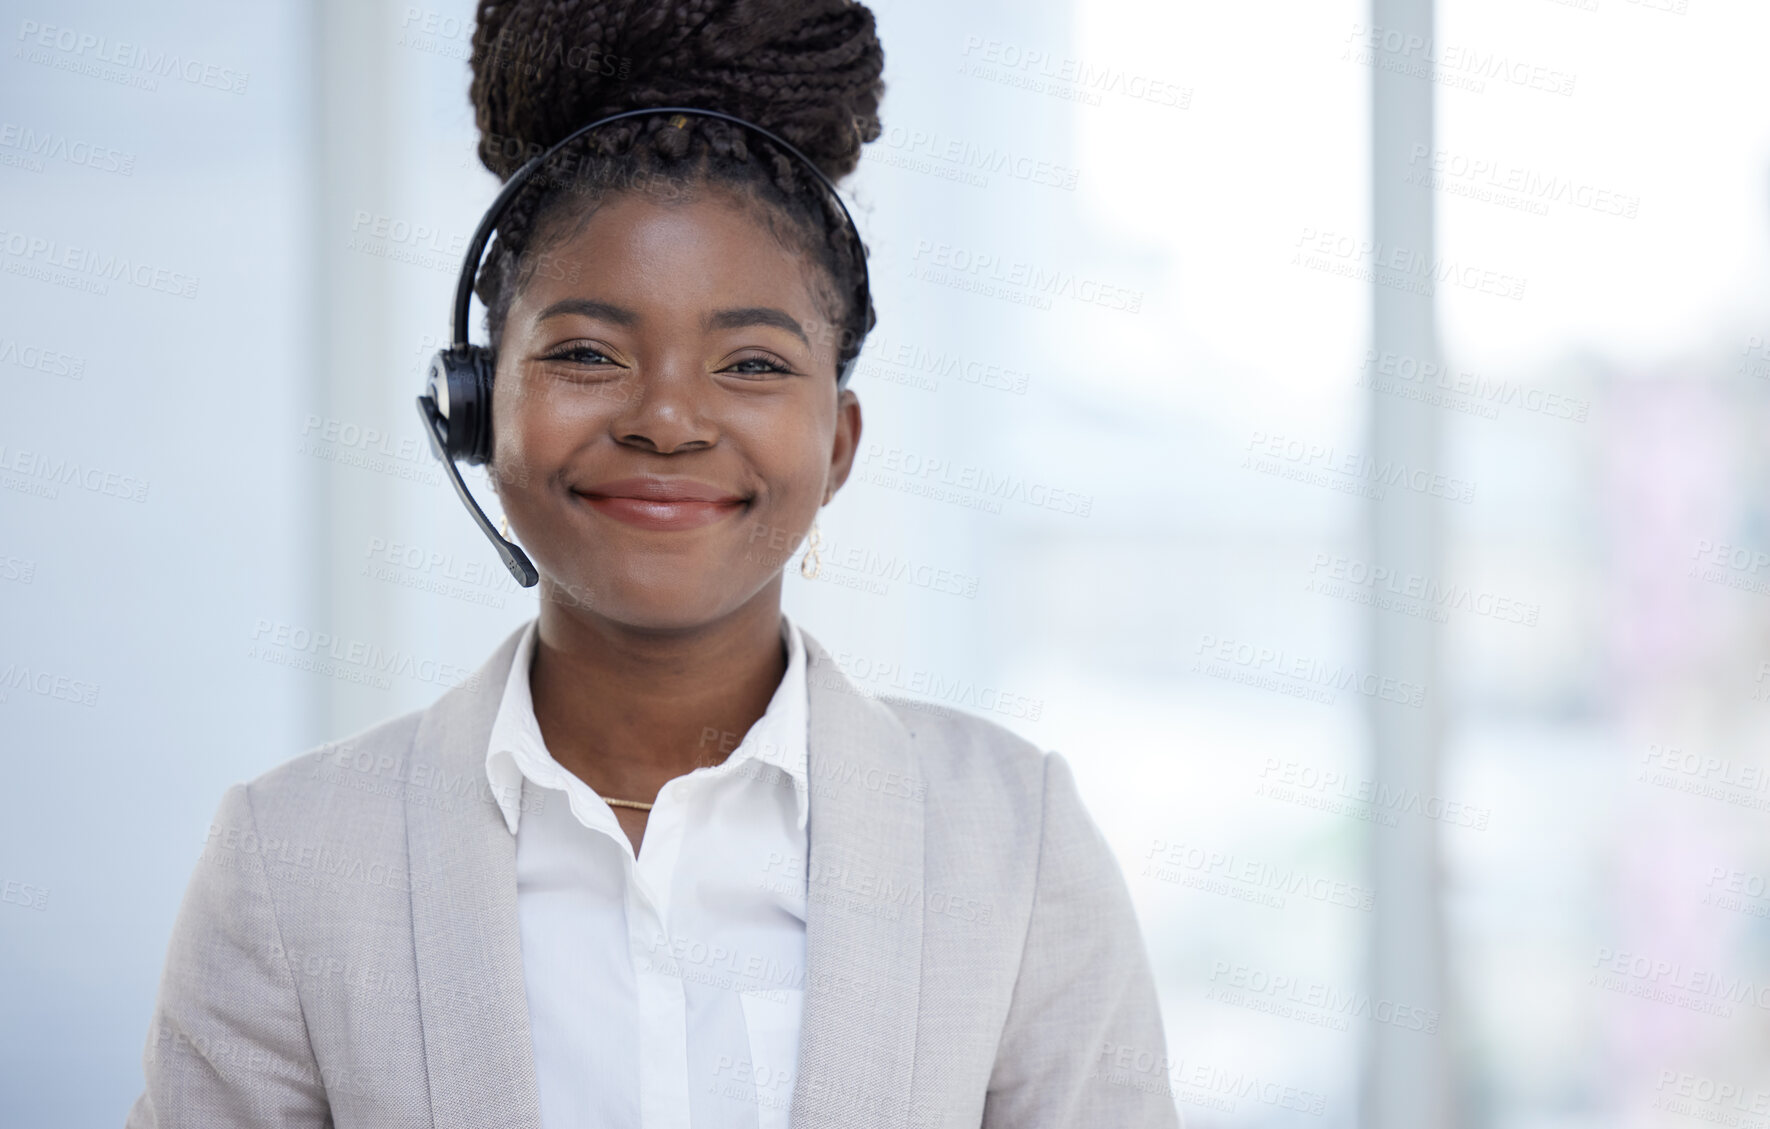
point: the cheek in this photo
(525, 425)
(796, 448)
(520, 441)
(797, 474)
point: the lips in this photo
(663, 503)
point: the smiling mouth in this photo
(648, 513)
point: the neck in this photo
(627, 709)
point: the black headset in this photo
(457, 402)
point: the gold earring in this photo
(811, 555)
(504, 525)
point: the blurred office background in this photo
(1372, 403)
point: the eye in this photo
(580, 353)
(766, 365)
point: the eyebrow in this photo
(590, 308)
(756, 315)
(719, 319)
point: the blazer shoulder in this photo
(425, 751)
(969, 753)
(966, 764)
(335, 777)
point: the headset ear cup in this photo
(467, 369)
(482, 371)
(460, 384)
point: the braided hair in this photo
(808, 70)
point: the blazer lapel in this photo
(863, 926)
(863, 940)
(466, 938)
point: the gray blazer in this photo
(347, 952)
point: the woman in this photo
(659, 862)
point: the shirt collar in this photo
(516, 749)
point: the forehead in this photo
(688, 255)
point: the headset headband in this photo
(501, 204)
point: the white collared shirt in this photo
(664, 990)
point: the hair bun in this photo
(809, 70)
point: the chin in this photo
(647, 595)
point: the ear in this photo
(846, 442)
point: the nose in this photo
(669, 409)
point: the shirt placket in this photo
(658, 981)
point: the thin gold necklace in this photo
(645, 807)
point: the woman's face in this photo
(665, 413)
